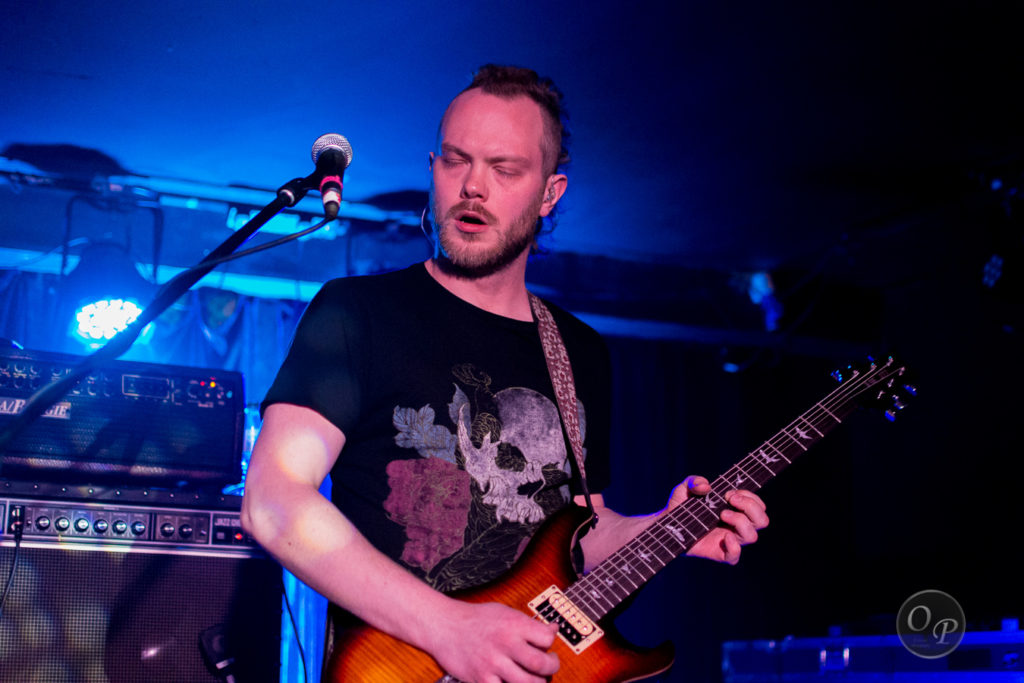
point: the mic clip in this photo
(295, 189)
(328, 185)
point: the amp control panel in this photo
(131, 527)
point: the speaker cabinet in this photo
(85, 609)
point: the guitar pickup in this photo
(574, 627)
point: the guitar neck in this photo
(673, 534)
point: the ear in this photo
(553, 191)
(430, 160)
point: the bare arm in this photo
(285, 512)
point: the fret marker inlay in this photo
(676, 533)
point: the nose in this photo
(474, 185)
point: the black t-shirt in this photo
(454, 451)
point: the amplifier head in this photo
(144, 423)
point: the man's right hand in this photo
(492, 643)
(284, 511)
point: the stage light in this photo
(99, 321)
(105, 293)
(993, 271)
(761, 290)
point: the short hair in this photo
(508, 82)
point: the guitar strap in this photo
(557, 359)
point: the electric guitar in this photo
(544, 584)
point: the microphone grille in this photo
(332, 141)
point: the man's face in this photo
(489, 182)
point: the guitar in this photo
(544, 584)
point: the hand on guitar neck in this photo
(480, 638)
(707, 519)
(504, 642)
(739, 526)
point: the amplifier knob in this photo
(185, 530)
(82, 525)
(101, 526)
(138, 528)
(120, 526)
(167, 529)
(43, 523)
(62, 524)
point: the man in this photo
(425, 395)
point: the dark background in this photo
(867, 155)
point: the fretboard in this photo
(674, 533)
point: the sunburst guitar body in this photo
(366, 655)
(544, 584)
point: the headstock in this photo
(885, 386)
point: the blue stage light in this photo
(761, 290)
(104, 294)
(99, 321)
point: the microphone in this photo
(332, 154)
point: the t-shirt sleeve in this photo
(321, 370)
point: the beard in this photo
(457, 253)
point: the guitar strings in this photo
(697, 509)
(828, 406)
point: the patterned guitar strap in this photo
(557, 359)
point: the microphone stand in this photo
(287, 195)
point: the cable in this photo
(18, 526)
(295, 629)
(39, 257)
(253, 250)
(165, 296)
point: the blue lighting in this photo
(98, 322)
(993, 271)
(761, 291)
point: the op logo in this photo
(931, 624)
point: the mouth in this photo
(470, 220)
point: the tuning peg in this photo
(840, 375)
(897, 406)
(911, 389)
